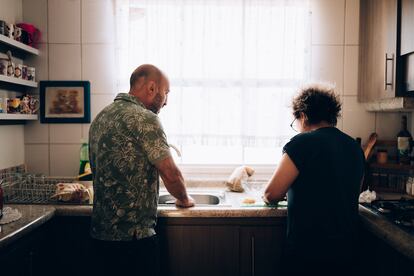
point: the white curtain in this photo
(233, 65)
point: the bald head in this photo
(150, 86)
(144, 73)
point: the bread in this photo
(234, 183)
(71, 192)
(249, 200)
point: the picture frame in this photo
(65, 102)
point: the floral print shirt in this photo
(125, 141)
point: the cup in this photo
(17, 33)
(4, 104)
(1, 105)
(10, 30)
(382, 156)
(18, 71)
(3, 27)
(10, 69)
(31, 73)
(3, 66)
(24, 72)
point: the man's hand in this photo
(189, 202)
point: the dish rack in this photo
(30, 188)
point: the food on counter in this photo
(249, 200)
(234, 183)
(72, 192)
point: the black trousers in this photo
(135, 257)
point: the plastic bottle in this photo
(84, 158)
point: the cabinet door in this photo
(378, 50)
(199, 250)
(407, 26)
(261, 250)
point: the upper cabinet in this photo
(407, 27)
(379, 70)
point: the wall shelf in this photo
(18, 81)
(5, 116)
(18, 45)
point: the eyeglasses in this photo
(292, 125)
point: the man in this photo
(128, 151)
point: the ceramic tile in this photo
(352, 22)
(388, 124)
(351, 70)
(64, 19)
(40, 62)
(65, 62)
(37, 158)
(328, 21)
(98, 66)
(35, 12)
(64, 160)
(65, 133)
(35, 132)
(98, 103)
(12, 149)
(98, 21)
(327, 65)
(357, 122)
(11, 11)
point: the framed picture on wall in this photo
(65, 102)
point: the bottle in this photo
(404, 143)
(84, 158)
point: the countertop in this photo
(33, 216)
(36, 215)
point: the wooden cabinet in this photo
(261, 249)
(379, 61)
(380, 259)
(407, 26)
(221, 246)
(27, 256)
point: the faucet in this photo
(176, 149)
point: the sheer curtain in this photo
(233, 66)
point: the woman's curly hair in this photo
(319, 103)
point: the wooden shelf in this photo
(392, 166)
(14, 80)
(18, 45)
(5, 116)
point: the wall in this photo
(335, 46)
(11, 136)
(78, 44)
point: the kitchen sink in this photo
(199, 198)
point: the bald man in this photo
(128, 153)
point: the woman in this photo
(321, 170)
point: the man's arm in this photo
(174, 182)
(285, 174)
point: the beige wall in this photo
(78, 44)
(11, 137)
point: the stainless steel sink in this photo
(199, 198)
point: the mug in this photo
(18, 71)
(3, 66)
(31, 73)
(10, 69)
(3, 27)
(17, 33)
(24, 72)
(10, 30)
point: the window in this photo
(233, 68)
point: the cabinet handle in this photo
(386, 70)
(253, 261)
